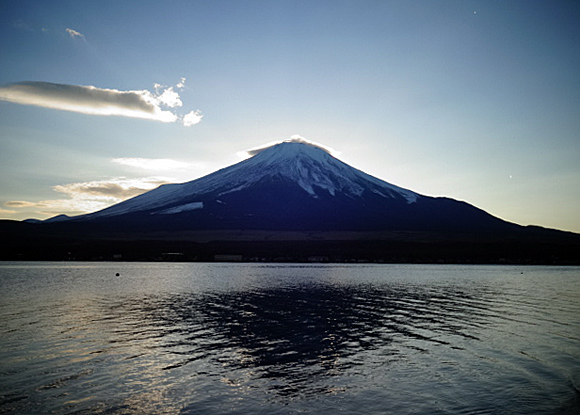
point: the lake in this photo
(201, 338)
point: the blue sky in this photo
(474, 100)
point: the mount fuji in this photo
(290, 201)
(294, 185)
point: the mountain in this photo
(284, 186)
(294, 200)
(293, 185)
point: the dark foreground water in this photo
(282, 339)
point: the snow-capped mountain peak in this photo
(312, 167)
(309, 165)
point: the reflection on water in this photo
(262, 339)
(295, 336)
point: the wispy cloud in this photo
(85, 197)
(21, 204)
(156, 164)
(118, 188)
(98, 101)
(91, 196)
(73, 33)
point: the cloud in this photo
(119, 189)
(155, 164)
(87, 100)
(74, 33)
(86, 197)
(192, 118)
(91, 196)
(98, 101)
(170, 98)
(19, 204)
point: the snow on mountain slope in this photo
(306, 164)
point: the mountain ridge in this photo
(293, 185)
(296, 197)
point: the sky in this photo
(477, 100)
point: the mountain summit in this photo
(293, 185)
(291, 164)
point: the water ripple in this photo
(285, 339)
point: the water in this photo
(285, 339)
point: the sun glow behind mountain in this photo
(293, 139)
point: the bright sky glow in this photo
(90, 196)
(293, 139)
(473, 100)
(166, 165)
